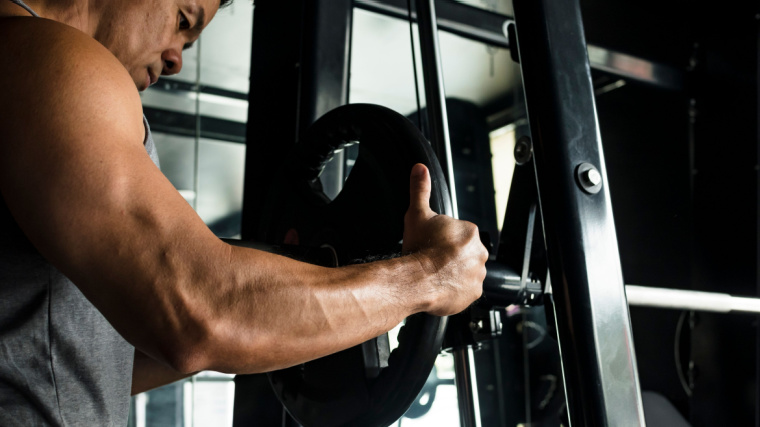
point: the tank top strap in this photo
(26, 7)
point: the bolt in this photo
(593, 176)
(588, 178)
(523, 150)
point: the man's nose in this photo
(172, 60)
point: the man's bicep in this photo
(78, 181)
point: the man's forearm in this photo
(268, 312)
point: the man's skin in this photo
(77, 179)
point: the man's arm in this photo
(77, 179)
(148, 373)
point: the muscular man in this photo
(108, 278)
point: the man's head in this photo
(149, 36)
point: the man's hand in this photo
(448, 249)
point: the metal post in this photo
(435, 97)
(592, 314)
(435, 94)
(467, 390)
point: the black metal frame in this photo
(593, 322)
(304, 76)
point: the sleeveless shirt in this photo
(61, 362)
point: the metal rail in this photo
(677, 299)
(435, 94)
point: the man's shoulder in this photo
(50, 68)
(33, 41)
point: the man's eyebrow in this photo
(199, 24)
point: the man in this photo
(149, 283)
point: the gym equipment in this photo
(364, 385)
(580, 232)
(646, 296)
(593, 322)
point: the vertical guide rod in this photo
(467, 393)
(435, 95)
(593, 323)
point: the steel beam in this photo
(593, 322)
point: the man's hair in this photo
(224, 3)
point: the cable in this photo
(414, 66)
(677, 354)
(197, 147)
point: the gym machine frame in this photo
(593, 322)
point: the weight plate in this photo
(365, 220)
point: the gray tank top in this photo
(61, 362)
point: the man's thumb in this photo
(419, 189)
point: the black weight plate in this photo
(364, 220)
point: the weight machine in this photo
(307, 76)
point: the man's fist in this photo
(448, 250)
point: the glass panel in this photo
(220, 186)
(503, 161)
(209, 398)
(381, 62)
(381, 65)
(226, 50)
(474, 71)
(177, 162)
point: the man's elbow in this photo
(198, 335)
(188, 346)
(186, 359)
